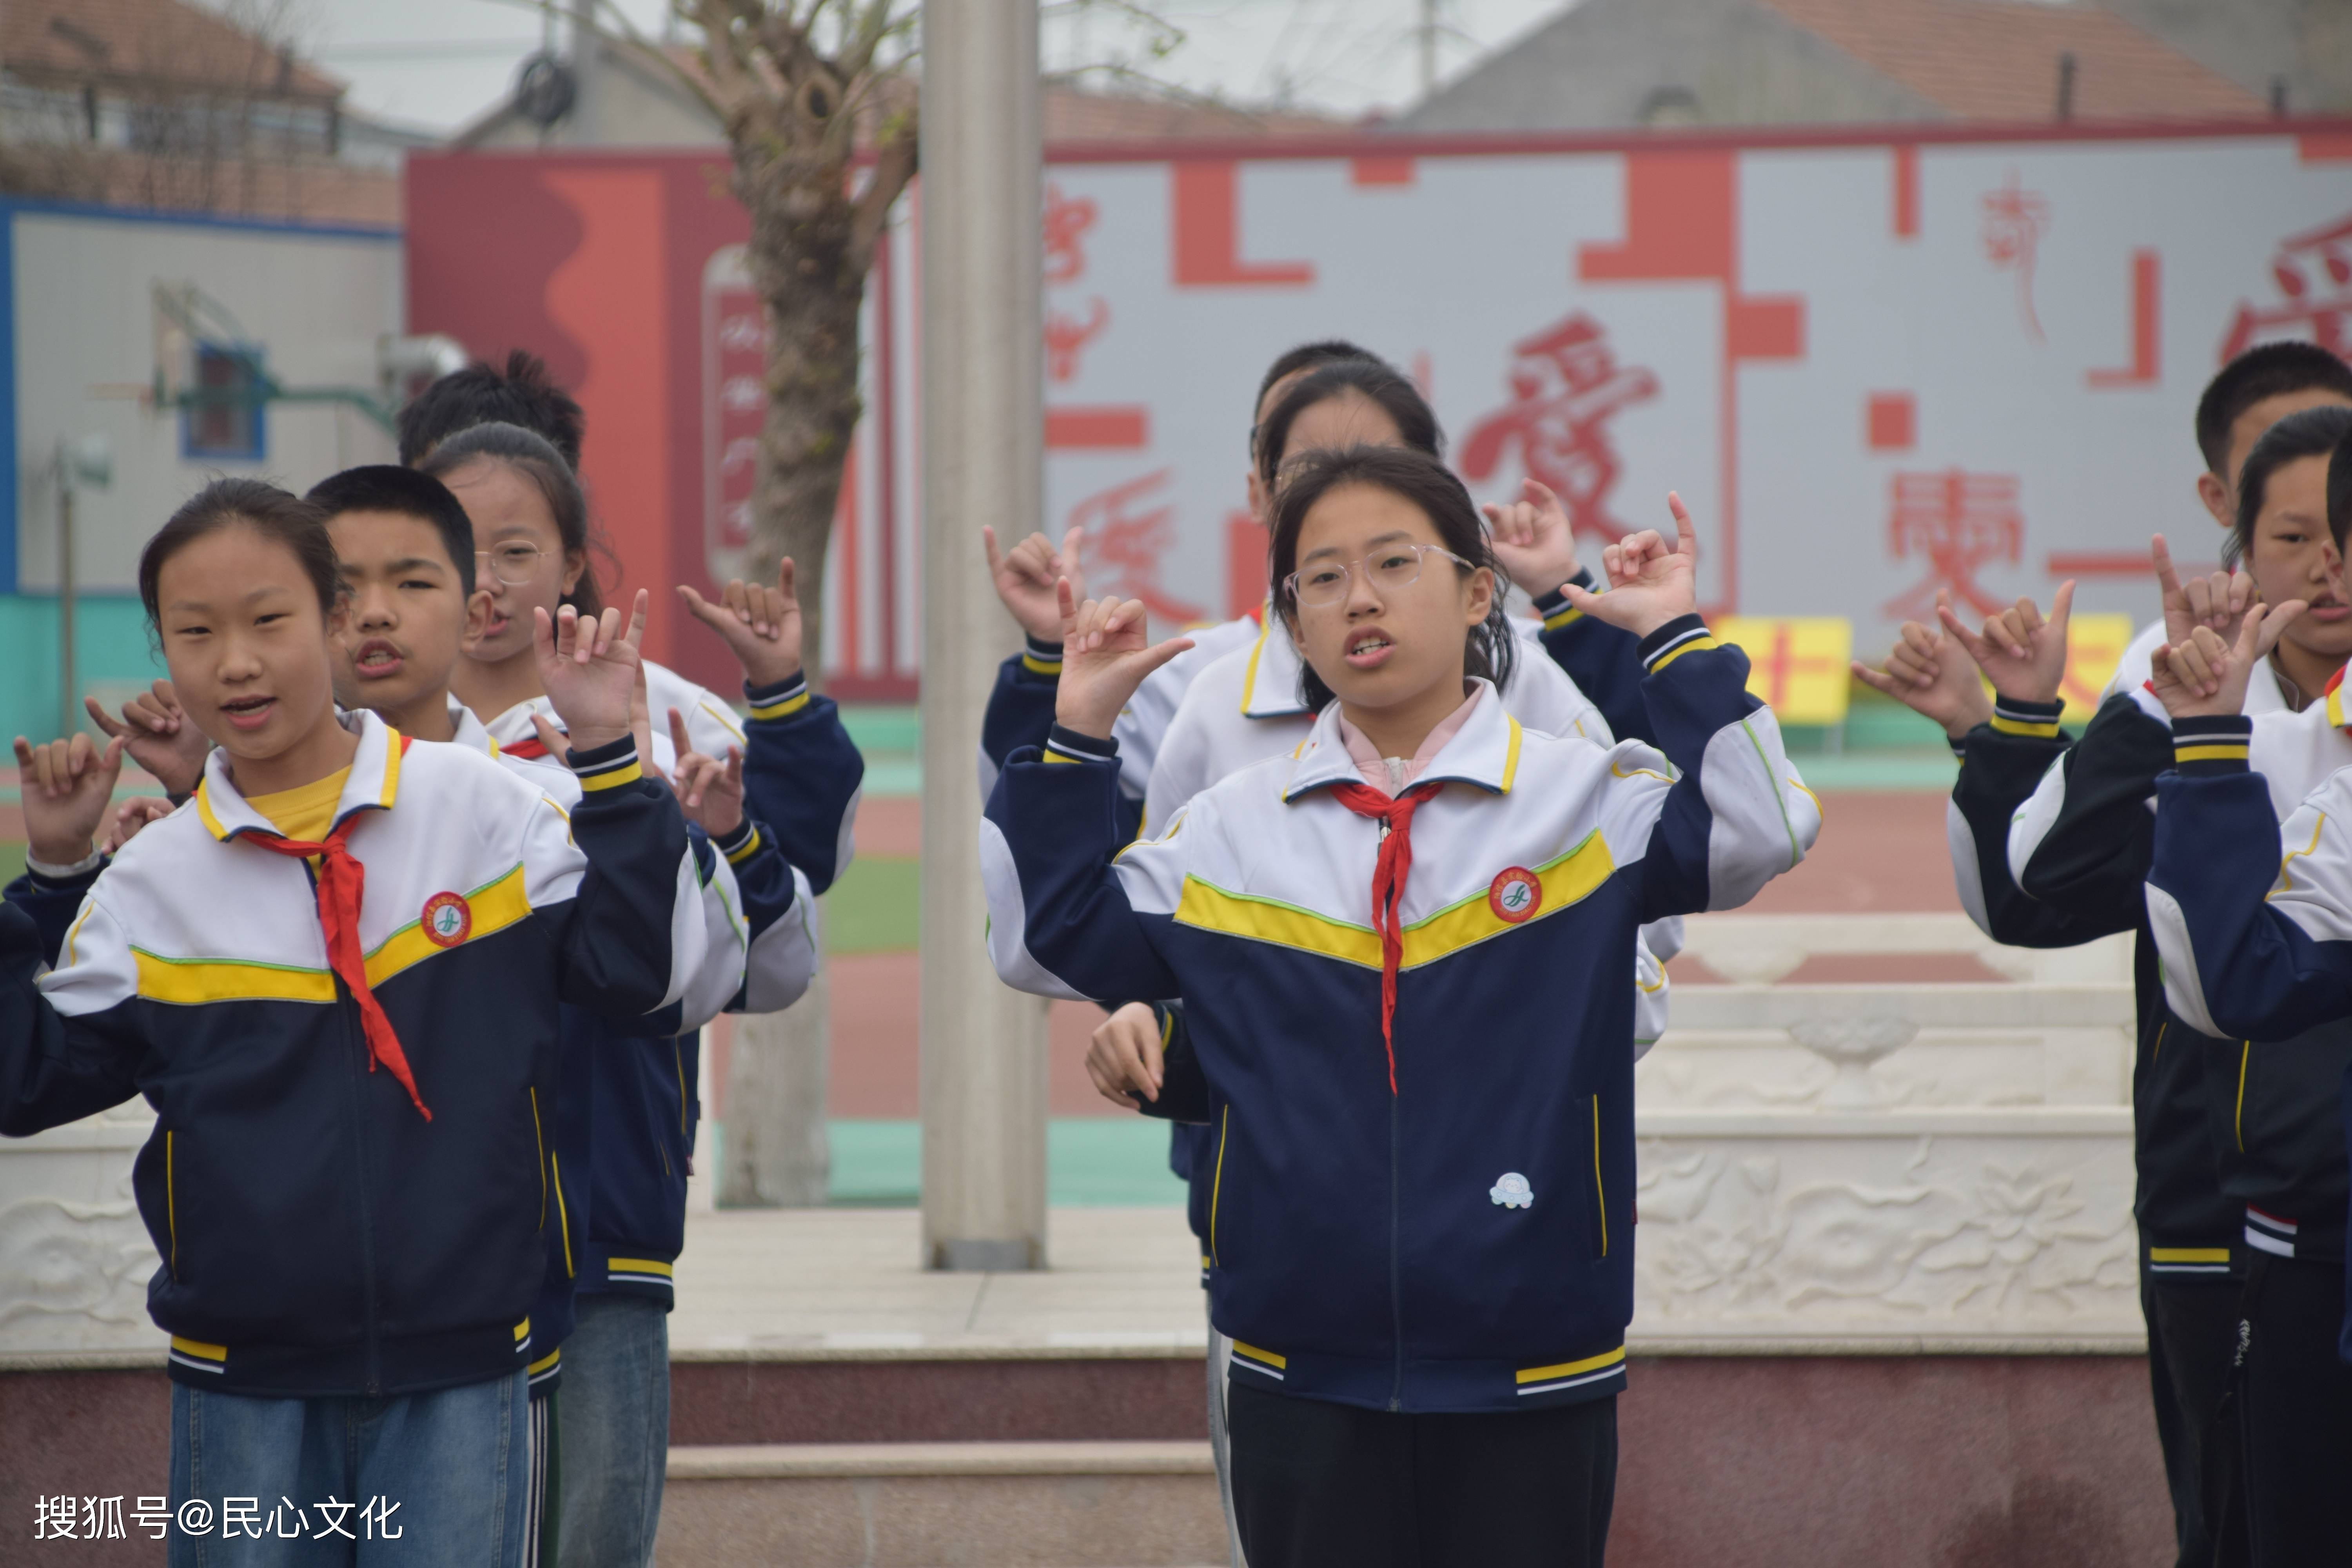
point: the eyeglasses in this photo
(514, 563)
(1387, 569)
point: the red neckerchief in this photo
(1389, 874)
(342, 884)
(533, 747)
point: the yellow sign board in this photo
(2094, 646)
(1797, 665)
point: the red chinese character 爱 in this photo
(2314, 274)
(1122, 548)
(1565, 385)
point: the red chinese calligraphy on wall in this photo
(2014, 221)
(1126, 536)
(1066, 338)
(1067, 218)
(2313, 272)
(1565, 385)
(1959, 523)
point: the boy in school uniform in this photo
(406, 553)
(2060, 877)
(347, 1186)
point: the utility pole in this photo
(983, 1043)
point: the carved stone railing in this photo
(74, 1257)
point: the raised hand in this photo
(2021, 653)
(761, 625)
(65, 786)
(1931, 674)
(1024, 577)
(1123, 1058)
(132, 815)
(156, 735)
(1104, 657)
(2217, 602)
(2203, 677)
(708, 791)
(587, 665)
(1533, 541)
(1650, 583)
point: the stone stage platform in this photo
(833, 1403)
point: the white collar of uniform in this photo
(374, 780)
(1484, 752)
(1270, 680)
(470, 732)
(513, 727)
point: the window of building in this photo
(226, 413)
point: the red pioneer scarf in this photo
(1388, 873)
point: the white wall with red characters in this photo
(1873, 363)
(1871, 370)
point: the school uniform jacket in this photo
(318, 1235)
(624, 1106)
(1381, 1247)
(2251, 918)
(1248, 706)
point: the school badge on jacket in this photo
(1515, 894)
(1511, 1190)
(447, 920)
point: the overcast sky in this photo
(439, 63)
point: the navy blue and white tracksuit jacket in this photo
(1465, 1242)
(1603, 660)
(802, 779)
(621, 1099)
(2255, 930)
(318, 1236)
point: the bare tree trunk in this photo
(775, 1152)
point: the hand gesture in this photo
(65, 786)
(1931, 674)
(133, 814)
(1649, 583)
(156, 735)
(2204, 677)
(2218, 602)
(1123, 1058)
(1533, 541)
(1104, 657)
(587, 667)
(708, 791)
(1025, 578)
(2022, 654)
(761, 625)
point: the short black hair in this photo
(1376, 381)
(2264, 371)
(2340, 492)
(277, 515)
(381, 487)
(1308, 356)
(2307, 433)
(522, 394)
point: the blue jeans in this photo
(614, 1437)
(257, 1472)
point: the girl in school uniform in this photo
(1404, 955)
(346, 1185)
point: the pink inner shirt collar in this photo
(1375, 767)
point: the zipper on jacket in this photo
(1217, 1181)
(356, 1057)
(171, 1204)
(1600, 1194)
(539, 1146)
(1396, 1266)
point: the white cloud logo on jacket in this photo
(1511, 1191)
